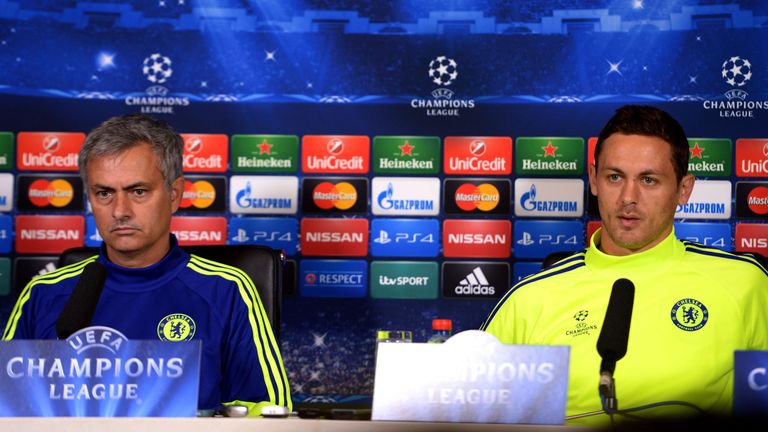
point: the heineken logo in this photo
(549, 156)
(710, 157)
(406, 155)
(264, 153)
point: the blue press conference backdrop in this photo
(472, 68)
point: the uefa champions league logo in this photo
(443, 71)
(157, 69)
(736, 72)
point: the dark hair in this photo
(120, 133)
(653, 122)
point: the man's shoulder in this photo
(63, 278)
(568, 267)
(728, 264)
(201, 268)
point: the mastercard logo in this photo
(327, 195)
(200, 194)
(483, 197)
(56, 193)
(757, 200)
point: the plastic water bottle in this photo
(441, 330)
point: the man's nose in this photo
(629, 193)
(122, 207)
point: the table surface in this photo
(291, 424)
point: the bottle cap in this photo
(442, 324)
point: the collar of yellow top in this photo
(659, 255)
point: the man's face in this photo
(637, 192)
(131, 205)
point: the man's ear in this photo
(592, 171)
(685, 188)
(177, 191)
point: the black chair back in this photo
(554, 257)
(262, 264)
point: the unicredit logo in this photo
(757, 200)
(193, 145)
(477, 147)
(51, 143)
(335, 146)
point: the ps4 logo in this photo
(262, 236)
(404, 237)
(548, 239)
(718, 242)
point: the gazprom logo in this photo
(263, 194)
(405, 196)
(710, 199)
(549, 197)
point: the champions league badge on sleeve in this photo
(97, 371)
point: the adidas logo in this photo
(47, 269)
(475, 283)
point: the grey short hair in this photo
(120, 133)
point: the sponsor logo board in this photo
(334, 195)
(535, 239)
(407, 196)
(405, 238)
(205, 152)
(277, 233)
(334, 237)
(710, 157)
(752, 237)
(472, 155)
(522, 269)
(549, 197)
(199, 230)
(551, 156)
(48, 151)
(592, 226)
(477, 196)
(335, 154)
(49, 192)
(265, 153)
(48, 234)
(6, 191)
(710, 199)
(5, 277)
(92, 236)
(404, 280)
(752, 200)
(752, 157)
(6, 151)
(464, 238)
(263, 194)
(712, 234)
(26, 268)
(204, 194)
(475, 279)
(406, 155)
(6, 233)
(333, 278)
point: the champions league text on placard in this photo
(98, 372)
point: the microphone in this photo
(79, 309)
(612, 342)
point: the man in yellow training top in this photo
(693, 305)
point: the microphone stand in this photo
(607, 389)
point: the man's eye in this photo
(140, 192)
(102, 194)
(614, 177)
(649, 180)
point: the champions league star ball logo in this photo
(737, 71)
(443, 70)
(157, 68)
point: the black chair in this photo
(554, 257)
(262, 264)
